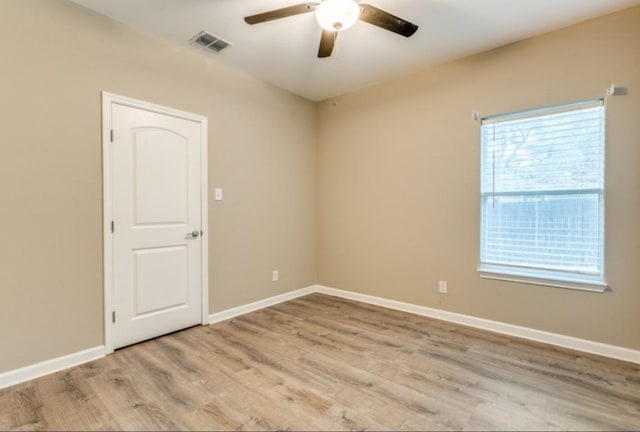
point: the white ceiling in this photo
(283, 52)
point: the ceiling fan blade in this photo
(281, 13)
(327, 40)
(385, 20)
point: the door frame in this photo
(108, 100)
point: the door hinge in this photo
(113, 317)
(111, 135)
(113, 226)
(201, 233)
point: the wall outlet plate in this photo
(442, 287)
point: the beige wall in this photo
(398, 181)
(55, 59)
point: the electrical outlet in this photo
(442, 287)
(275, 276)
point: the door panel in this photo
(161, 281)
(161, 176)
(156, 205)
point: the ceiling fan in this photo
(338, 15)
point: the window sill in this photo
(583, 284)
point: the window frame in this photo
(537, 275)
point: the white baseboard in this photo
(577, 344)
(260, 304)
(37, 370)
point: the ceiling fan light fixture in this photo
(337, 15)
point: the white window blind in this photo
(542, 183)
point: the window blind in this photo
(542, 184)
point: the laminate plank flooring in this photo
(326, 363)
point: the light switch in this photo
(218, 194)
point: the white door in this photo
(156, 210)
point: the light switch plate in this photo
(218, 194)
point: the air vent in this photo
(210, 42)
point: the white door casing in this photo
(155, 220)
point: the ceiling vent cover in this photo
(210, 42)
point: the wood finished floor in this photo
(324, 363)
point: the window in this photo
(542, 206)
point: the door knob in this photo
(193, 234)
